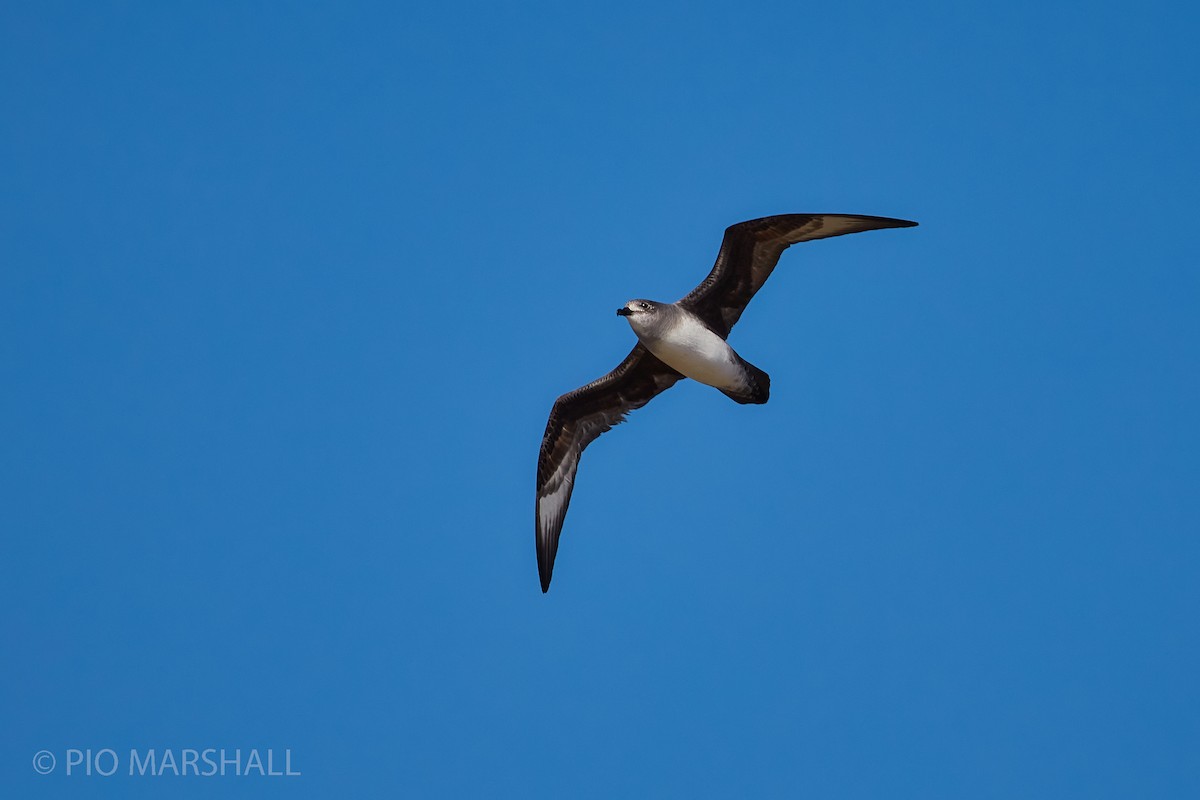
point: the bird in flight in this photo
(675, 340)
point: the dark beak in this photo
(624, 312)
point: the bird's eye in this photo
(644, 306)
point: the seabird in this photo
(675, 340)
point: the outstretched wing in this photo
(576, 419)
(750, 250)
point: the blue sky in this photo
(287, 294)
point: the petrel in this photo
(675, 340)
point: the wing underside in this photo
(750, 251)
(576, 420)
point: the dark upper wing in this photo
(751, 250)
(576, 419)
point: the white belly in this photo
(700, 354)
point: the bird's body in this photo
(675, 340)
(683, 342)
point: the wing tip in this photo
(545, 570)
(860, 223)
(547, 550)
(883, 222)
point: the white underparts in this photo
(700, 354)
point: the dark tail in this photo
(757, 388)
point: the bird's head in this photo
(641, 315)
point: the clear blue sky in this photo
(286, 295)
